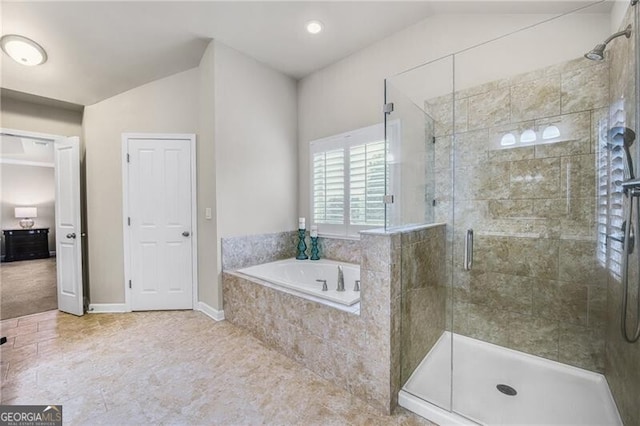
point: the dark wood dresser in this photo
(25, 244)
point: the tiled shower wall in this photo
(424, 294)
(622, 361)
(537, 284)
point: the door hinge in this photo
(128, 158)
(434, 139)
(433, 203)
(129, 283)
(129, 221)
(388, 108)
(389, 199)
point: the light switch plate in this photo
(207, 213)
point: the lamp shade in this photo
(26, 212)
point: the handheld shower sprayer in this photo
(624, 137)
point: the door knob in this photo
(185, 234)
(72, 235)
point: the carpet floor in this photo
(27, 287)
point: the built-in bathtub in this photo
(299, 277)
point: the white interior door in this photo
(68, 226)
(160, 218)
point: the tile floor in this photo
(167, 368)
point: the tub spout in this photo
(340, 278)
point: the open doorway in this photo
(27, 200)
(40, 218)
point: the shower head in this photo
(597, 53)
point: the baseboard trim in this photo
(103, 308)
(210, 312)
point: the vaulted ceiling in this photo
(99, 49)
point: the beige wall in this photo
(256, 147)
(255, 125)
(28, 186)
(349, 93)
(209, 291)
(245, 117)
(169, 105)
(33, 117)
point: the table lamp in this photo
(26, 215)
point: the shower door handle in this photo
(468, 250)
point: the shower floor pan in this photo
(548, 392)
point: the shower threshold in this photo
(493, 385)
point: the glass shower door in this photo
(529, 275)
(418, 133)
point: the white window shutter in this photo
(329, 187)
(367, 184)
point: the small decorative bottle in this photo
(302, 246)
(315, 253)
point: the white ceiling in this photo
(99, 49)
(18, 150)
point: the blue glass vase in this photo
(315, 253)
(302, 246)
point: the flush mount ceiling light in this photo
(314, 27)
(23, 50)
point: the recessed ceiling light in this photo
(23, 50)
(314, 27)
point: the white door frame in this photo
(126, 229)
(56, 139)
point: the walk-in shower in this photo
(527, 155)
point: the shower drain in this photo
(507, 390)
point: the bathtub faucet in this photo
(340, 278)
(324, 285)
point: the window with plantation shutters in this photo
(367, 184)
(611, 199)
(348, 181)
(329, 187)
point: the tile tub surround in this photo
(337, 345)
(536, 285)
(360, 353)
(622, 359)
(340, 249)
(240, 252)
